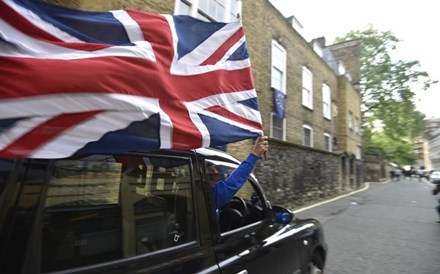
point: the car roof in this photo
(216, 154)
(207, 152)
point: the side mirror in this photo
(281, 215)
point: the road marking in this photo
(367, 185)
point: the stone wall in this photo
(294, 176)
(375, 168)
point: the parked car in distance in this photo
(434, 177)
(145, 212)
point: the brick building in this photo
(315, 148)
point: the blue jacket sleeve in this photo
(225, 190)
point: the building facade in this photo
(316, 145)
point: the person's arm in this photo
(225, 190)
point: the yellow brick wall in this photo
(349, 101)
(260, 30)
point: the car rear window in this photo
(102, 208)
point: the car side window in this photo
(6, 165)
(4, 171)
(19, 207)
(247, 205)
(103, 207)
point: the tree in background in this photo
(390, 120)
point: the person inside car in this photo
(225, 188)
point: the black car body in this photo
(145, 212)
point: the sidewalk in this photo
(367, 185)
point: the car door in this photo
(249, 252)
(257, 245)
(131, 213)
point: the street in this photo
(388, 228)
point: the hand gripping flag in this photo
(73, 81)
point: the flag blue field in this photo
(280, 102)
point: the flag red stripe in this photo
(221, 51)
(28, 143)
(23, 77)
(185, 134)
(232, 116)
(156, 30)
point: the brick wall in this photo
(349, 101)
(260, 30)
(93, 5)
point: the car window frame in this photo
(252, 226)
(252, 180)
(32, 259)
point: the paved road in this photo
(388, 228)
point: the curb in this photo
(367, 185)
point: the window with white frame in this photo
(278, 127)
(327, 142)
(278, 75)
(358, 152)
(209, 10)
(278, 81)
(182, 8)
(350, 120)
(326, 101)
(356, 125)
(307, 88)
(307, 136)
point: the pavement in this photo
(385, 227)
(367, 185)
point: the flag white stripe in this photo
(182, 69)
(210, 45)
(232, 50)
(41, 24)
(21, 45)
(229, 102)
(228, 121)
(195, 118)
(132, 28)
(51, 105)
(166, 131)
(74, 138)
(22, 127)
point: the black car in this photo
(149, 212)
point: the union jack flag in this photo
(75, 81)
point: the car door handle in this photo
(242, 272)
